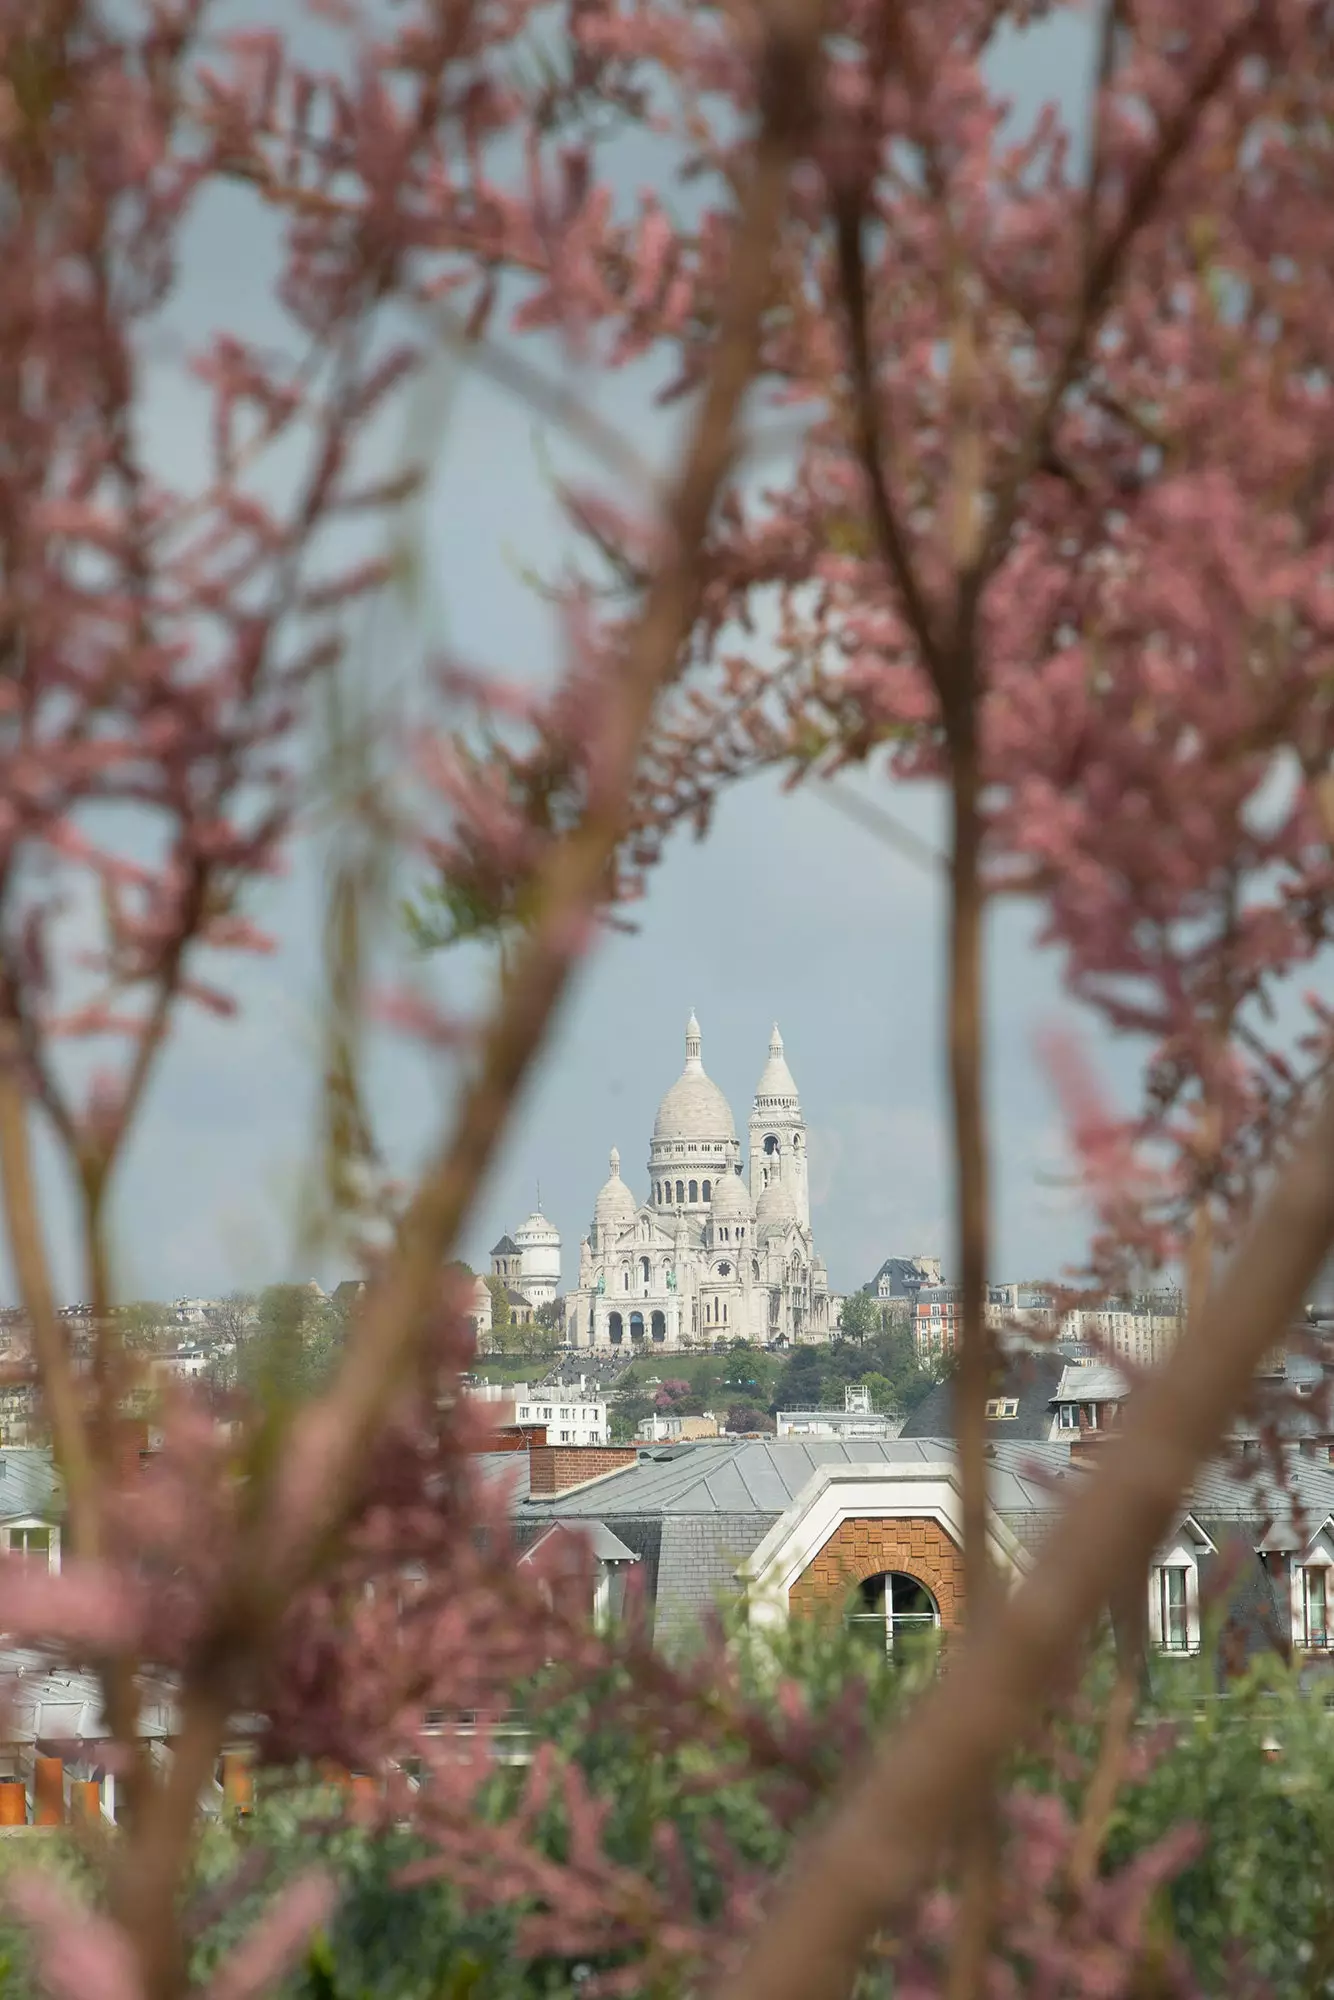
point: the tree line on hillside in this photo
(746, 1387)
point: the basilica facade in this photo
(714, 1253)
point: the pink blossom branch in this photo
(1102, 268)
(317, 1478)
(882, 1846)
(329, 1439)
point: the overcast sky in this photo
(787, 912)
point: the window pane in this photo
(1174, 1619)
(1317, 1629)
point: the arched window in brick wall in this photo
(895, 1613)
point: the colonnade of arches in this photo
(616, 1327)
(695, 1191)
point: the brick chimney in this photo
(1089, 1445)
(48, 1791)
(555, 1468)
(515, 1437)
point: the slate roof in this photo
(905, 1278)
(498, 1466)
(761, 1477)
(1030, 1378)
(29, 1486)
(1092, 1382)
(606, 1547)
(697, 1569)
(506, 1247)
(694, 1512)
(1298, 1413)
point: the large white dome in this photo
(694, 1108)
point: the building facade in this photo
(528, 1266)
(716, 1252)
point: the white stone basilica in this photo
(707, 1257)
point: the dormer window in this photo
(1312, 1588)
(1174, 1590)
(1173, 1632)
(1315, 1608)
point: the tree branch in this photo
(329, 1439)
(34, 1277)
(882, 1847)
(1100, 273)
(893, 543)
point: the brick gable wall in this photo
(555, 1468)
(860, 1548)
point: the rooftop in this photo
(764, 1475)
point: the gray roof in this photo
(506, 1247)
(29, 1485)
(1249, 1494)
(1092, 1382)
(1030, 1378)
(763, 1476)
(905, 1278)
(496, 1467)
(697, 1568)
(605, 1546)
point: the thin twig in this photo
(548, 398)
(874, 818)
(890, 536)
(1101, 272)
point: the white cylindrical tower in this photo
(539, 1258)
(778, 1132)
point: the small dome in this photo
(775, 1210)
(731, 1199)
(777, 1080)
(615, 1208)
(694, 1107)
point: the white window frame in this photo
(1309, 1574)
(31, 1525)
(1181, 1553)
(1317, 1556)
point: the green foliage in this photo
(288, 1352)
(739, 1375)
(860, 1316)
(1263, 1885)
(814, 1378)
(500, 1305)
(147, 1327)
(422, 1943)
(1255, 1908)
